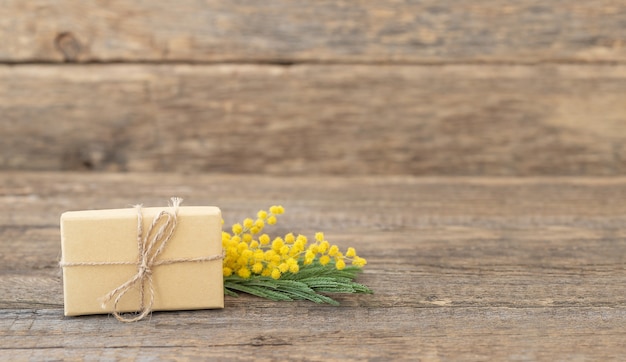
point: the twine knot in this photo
(144, 269)
(150, 246)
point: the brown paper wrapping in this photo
(111, 236)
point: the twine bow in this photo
(150, 246)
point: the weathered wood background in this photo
(330, 108)
(318, 87)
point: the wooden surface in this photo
(462, 269)
(313, 31)
(478, 88)
(316, 119)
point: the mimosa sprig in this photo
(286, 267)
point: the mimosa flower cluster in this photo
(250, 252)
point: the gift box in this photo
(141, 259)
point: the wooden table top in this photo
(461, 268)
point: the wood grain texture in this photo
(312, 119)
(312, 31)
(462, 269)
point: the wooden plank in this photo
(312, 119)
(321, 333)
(313, 31)
(462, 268)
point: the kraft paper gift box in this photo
(101, 253)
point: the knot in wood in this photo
(67, 44)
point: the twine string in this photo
(149, 246)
